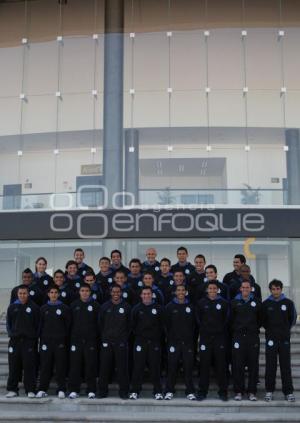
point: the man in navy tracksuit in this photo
(54, 332)
(246, 313)
(147, 327)
(151, 263)
(116, 262)
(114, 326)
(244, 275)
(84, 343)
(212, 275)
(83, 268)
(105, 277)
(212, 315)
(183, 264)
(73, 280)
(231, 277)
(180, 323)
(66, 294)
(22, 322)
(135, 277)
(96, 291)
(157, 295)
(278, 316)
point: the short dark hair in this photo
(115, 285)
(212, 283)
(85, 285)
(146, 288)
(135, 260)
(104, 258)
(277, 283)
(71, 262)
(148, 272)
(78, 249)
(213, 267)
(116, 251)
(241, 257)
(90, 273)
(179, 271)
(52, 287)
(121, 271)
(182, 249)
(27, 271)
(22, 287)
(180, 285)
(246, 281)
(165, 259)
(200, 256)
(245, 266)
(58, 271)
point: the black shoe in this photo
(123, 396)
(201, 397)
(102, 395)
(223, 397)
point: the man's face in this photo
(148, 280)
(212, 291)
(23, 295)
(180, 293)
(237, 264)
(276, 291)
(245, 289)
(53, 295)
(116, 259)
(59, 279)
(151, 254)
(199, 264)
(79, 256)
(211, 274)
(120, 279)
(104, 265)
(146, 296)
(165, 267)
(245, 272)
(89, 279)
(182, 256)
(135, 268)
(178, 278)
(72, 269)
(26, 278)
(84, 293)
(115, 294)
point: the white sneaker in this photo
(268, 396)
(41, 394)
(158, 397)
(238, 397)
(252, 397)
(91, 395)
(133, 396)
(11, 394)
(32, 394)
(191, 397)
(169, 396)
(61, 395)
(290, 398)
(73, 395)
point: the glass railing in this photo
(147, 198)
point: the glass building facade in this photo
(178, 102)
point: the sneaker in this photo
(252, 397)
(32, 394)
(133, 396)
(11, 394)
(91, 395)
(61, 395)
(223, 397)
(238, 397)
(41, 394)
(158, 397)
(123, 396)
(73, 395)
(290, 398)
(191, 397)
(269, 396)
(169, 396)
(201, 397)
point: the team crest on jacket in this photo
(283, 307)
(218, 306)
(58, 311)
(90, 308)
(28, 310)
(188, 310)
(154, 311)
(253, 304)
(121, 310)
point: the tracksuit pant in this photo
(22, 357)
(146, 352)
(178, 351)
(281, 349)
(212, 350)
(110, 353)
(245, 352)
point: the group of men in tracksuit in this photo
(81, 326)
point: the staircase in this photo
(146, 409)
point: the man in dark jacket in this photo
(22, 322)
(278, 317)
